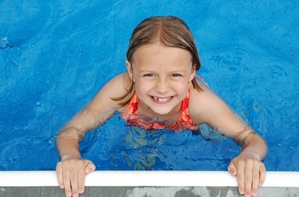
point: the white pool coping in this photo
(145, 178)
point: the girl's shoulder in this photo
(204, 103)
(203, 95)
(116, 87)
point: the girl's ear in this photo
(192, 74)
(129, 69)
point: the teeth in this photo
(161, 99)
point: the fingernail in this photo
(241, 192)
(81, 190)
(233, 172)
(75, 194)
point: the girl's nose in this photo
(162, 86)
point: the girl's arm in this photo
(72, 169)
(74, 131)
(207, 107)
(248, 166)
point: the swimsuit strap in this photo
(132, 108)
(184, 121)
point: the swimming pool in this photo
(55, 55)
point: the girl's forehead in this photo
(159, 52)
(158, 57)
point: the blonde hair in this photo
(168, 30)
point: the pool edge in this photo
(146, 178)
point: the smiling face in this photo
(161, 75)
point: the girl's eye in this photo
(176, 75)
(149, 75)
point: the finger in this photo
(262, 174)
(66, 180)
(248, 177)
(81, 181)
(240, 177)
(232, 168)
(90, 168)
(74, 182)
(255, 178)
(59, 175)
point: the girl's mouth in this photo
(161, 100)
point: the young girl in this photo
(160, 90)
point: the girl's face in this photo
(161, 75)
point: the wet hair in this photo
(169, 31)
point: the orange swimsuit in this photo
(184, 121)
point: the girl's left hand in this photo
(250, 172)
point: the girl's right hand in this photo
(71, 175)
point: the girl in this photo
(160, 90)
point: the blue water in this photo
(55, 55)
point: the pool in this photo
(55, 55)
